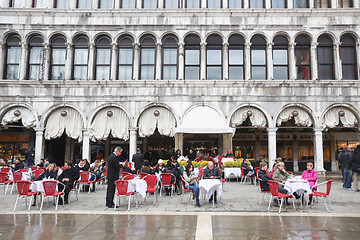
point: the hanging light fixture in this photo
(156, 113)
(341, 113)
(109, 113)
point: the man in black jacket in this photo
(138, 159)
(345, 163)
(212, 172)
(355, 164)
(68, 177)
(113, 175)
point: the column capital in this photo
(337, 44)
(358, 45)
(114, 46)
(292, 44)
(248, 44)
(39, 130)
(23, 45)
(136, 45)
(314, 45)
(68, 45)
(270, 45)
(271, 130)
(318, 130)
(132, 129)
(46, 46)
(181, 44)
(92, 46)
(2, 45)
(158, 45)
(203, 45)
(225, 44)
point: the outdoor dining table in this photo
(298, 186)
(37, 186)
(139, 186)
(209, 186)
(235, 171)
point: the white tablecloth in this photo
(224, 160)
(298, 186)
(235, 171)
(209, 186)
(37, 186)
(25, 176)
(138, 185)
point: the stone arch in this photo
(27, 114)
(303, 116)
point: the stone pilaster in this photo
(136, 63)
(68, 62)
(271, 146)
(181, 61)
(114, 59)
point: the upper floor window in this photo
(236, 3)
(214, 57)
(103, 58)
(125, 63)
(345, 3)
(150, 4)
(348, 57)
(106, 4)
(171, 3)
(128, 4)
(193, 4)
(81, 57)
(40, 3)
(13, 56)
(325, 57)
(256, 3)
(280, 58)
(147, 58)
(278, 3)
(58, 58)
(17, 3)
(323, 3)
(84, 4)
(301, 3)
(236, 57)
(62, 4)
(192, 57)
(170, 57)
(215, 4)
(36, 58)
(258, 57)
(302, 57)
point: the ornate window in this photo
(13, 56)
(256, 4)
(58, 58)
(106, 4)
(258, 57)
(125, 63)
(103, 58)
(214, 4)
(301, 3)
(192, 57)
(236, 57)
(147, 58)
(62, 4)
(345, 3)
(214, 57)
(36, 58)
(236, 3)
(325, 57)
(84, 4)
(348, 57)
(279, 4)
(150, 4)
(193, 4)
(302, 57)
(170, 57)
(81, 57)
(280, 58)
(323, 3)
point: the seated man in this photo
(212, 172)
(248, 169)
(173, 167)
(18, 165)
(68, 177)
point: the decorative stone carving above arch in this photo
(335, 115)
(109, 120)
(256, 117)
(301, 117)
(156, 117)
(19, 113)
(64, 119)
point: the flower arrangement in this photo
(194, 163)
(235, 164)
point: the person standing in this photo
(112, 175)
(138, 159)
(355, 164)
(345, 163)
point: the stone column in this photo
(23, 61)
(114, 59)
(318, 152)
(136, 60)
(271, 146)
(203, 4)
(51, 4)
(91, 62)
(269, 61)
(117, 4)
(179, 141)
(2, 60)
(86, 145)
(295, 155)
(337, 62)
(358, 59)
(39, 140)
(311, 4)
(227, 143)
(133, 144)
(95, 4)
(246, 3)
(203, 61)
(68, 63)
(225, 4)
(334, 3)
(292, 61)
(247, 62)
(225, 61)
(257, 147)
(28, 3)
(158, 62)
(139, 4)
(314, 67)
(161, 4)
(267, 3)
(46, 61)
(181, 63)
(290, 4)
(334, 162)
(5, 3)
(73, 4)
(356, 3)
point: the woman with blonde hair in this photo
(49, 172)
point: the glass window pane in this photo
(19, 3)
(258, 73)
(102, 72)
(256, 4)
(347, 54)
(106, 4)
(41, 3)
(171, 4)
(302, 56)
(128, 4)
(12, 72)
(125, 56)
(280, 57)
(300, 4)
(325, 72)
(63, 4)
(213, 57)
(325, 55)
(84, 4)
(147, 72)
(278, 3)
(125, 72)
(258, 57)
(235, 3)
(36, 54)
(236, 73)
(14, 55)
(150, 4)
(34, 72)
(192, 3)
(103, 56)
(236, 57)
(348, 72)
(213, 73)
(80, 72)
(58, 73)
(58, 56)
(214, 4)
(192, 57)
(170, 56)
(302, 72)
(169, 73)
(280, 73)
(81, 56)
(148, 56)
(192, 73)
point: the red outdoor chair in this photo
(166, 182)
(185, 189)
(151, 181)
(23, 188)
(50, 191)
(121, 190)
(23, 170)
(244, 177)
(33, 168)
(75, 190)
(143, 175)
(84, 180)
(323, 195)
(129, 177)
(124, 174)
(261, 190)
(5, 169)
(17, 177)
(3, 181)
(274, 189)
(201, 172)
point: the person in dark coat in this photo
(17, 165)
(68, 177)
(127, 169)
(30, 161)
(83, 165)
(355, 165)
(173, 167)
(49, 172)
(146, 168)
(192, 155)
(138, 159)
(345, 163)
(211, 172)
(113, 175)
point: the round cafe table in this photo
(209, 186)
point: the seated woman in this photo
(280, 175)
(159, 168)
(193, 181)
(146, 168)
(49, 172)
(248, 169)
(96, 171)
(311, 175)
(127, 169)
